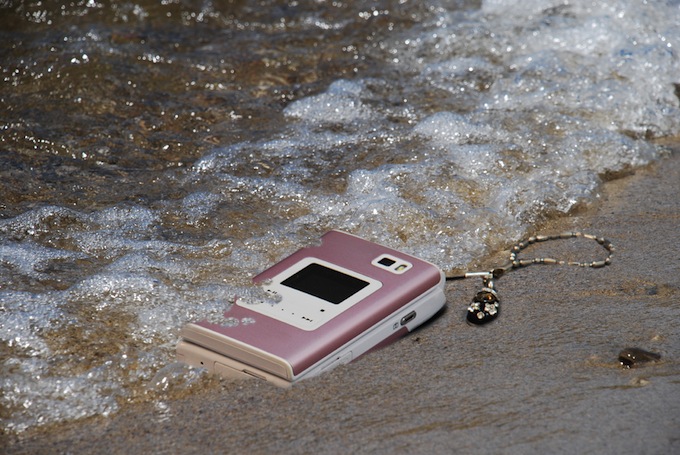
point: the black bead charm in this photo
(484, 307)
(635, 357)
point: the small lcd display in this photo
(325, 283)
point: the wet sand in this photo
(543, 378)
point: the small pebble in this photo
(632, 357)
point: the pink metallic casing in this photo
(286, 351)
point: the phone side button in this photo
(408, 318)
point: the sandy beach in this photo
(543, 378)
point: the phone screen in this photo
(325, 283)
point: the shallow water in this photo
(155, 156)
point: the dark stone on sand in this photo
(634, 357)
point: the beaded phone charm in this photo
(486, 304)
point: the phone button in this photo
(408, 318)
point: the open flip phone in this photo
(336, 301)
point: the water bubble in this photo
(230, 322)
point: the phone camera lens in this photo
(387, 262)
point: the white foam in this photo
(198, 206)
(42, 398)
(25, 315)
(130, 219)
(41, 221)
(451, 128)
(341, 103)
(459, 75)
(34, 260)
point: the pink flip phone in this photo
(336, 301)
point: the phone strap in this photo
(485, 305)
